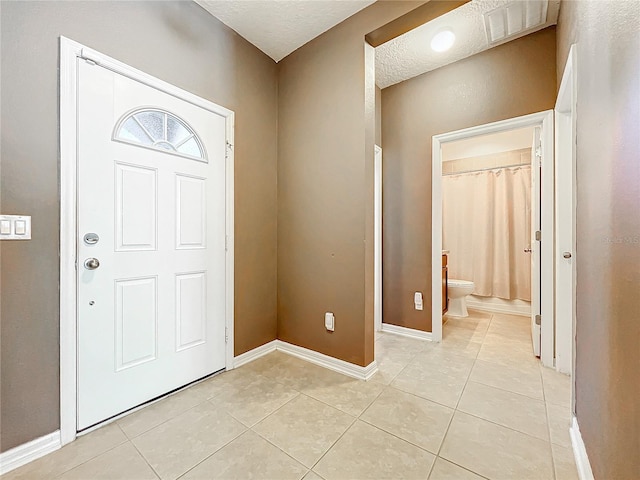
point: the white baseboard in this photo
(580, 452)
(28, 452)
(407, 332)
(499, 305)
(332, 363)
(335, 364)
(254, 354)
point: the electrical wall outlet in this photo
(329, 321)
(417, 301)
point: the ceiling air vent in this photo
(514, 18)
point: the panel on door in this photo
(136, 330)
(190, 212)
(151, 297)
(136, 207)
(191, 309)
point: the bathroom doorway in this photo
(497, 194)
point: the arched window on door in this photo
(160, 130)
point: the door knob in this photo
(91, 263)
(566, 254)
(527, 250)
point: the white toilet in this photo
(458, 291)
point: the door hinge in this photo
(226, 334)
(538, 235)
(228, 150)
(539, 150)
(538, 320)
(226, 243)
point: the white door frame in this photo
(377, 229)
(70, 54)
(565, 188)
(545, 121)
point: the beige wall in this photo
(325, 188)
(177, 42)
(507, 81)
(608, 229)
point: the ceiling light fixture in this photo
(443, 40)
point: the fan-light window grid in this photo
(160, 130)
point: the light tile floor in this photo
(477, 405)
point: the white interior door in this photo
(565, 244)
(534, 248)
(151, 243)
(565, 166)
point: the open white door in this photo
(151, 243)
(565, 116)
(534, 246)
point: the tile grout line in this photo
(504, 426)
(546, 412)
(456, 407)
(496, 423)
(208, 400)
(84, 462)
(553, 460)
(159, 424)
(146, 461)
(384, 387)
(334, 444)
(348, 428)
(507, 391)
(212, 453)
(299, 393)
(283, 451)
(398, 437)
(458, 465)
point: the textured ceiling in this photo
(410, 54)
(278, 27)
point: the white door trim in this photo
(377, 228)
(545, 121)
(565, 116)
(70, 53)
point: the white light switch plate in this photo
(15, 227)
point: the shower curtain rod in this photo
(489, 168)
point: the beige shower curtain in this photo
(486, 227)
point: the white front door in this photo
(535, 245)
(151, 243)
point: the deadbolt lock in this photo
(91, 238)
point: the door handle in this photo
(566, 254)
(91, 263)
(527, 250)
